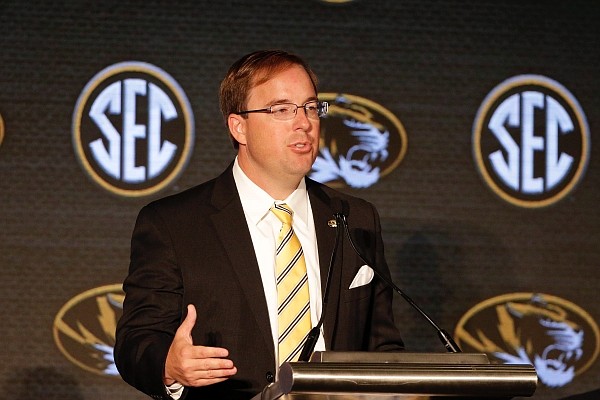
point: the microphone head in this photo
(339, 207)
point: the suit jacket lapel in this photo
(240, 250)
(227, 202)
(322, 214)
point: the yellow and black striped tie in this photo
(292, 288)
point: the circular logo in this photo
(337, 2)
(361, 141)
(1, 130)
(531, 141)
(85, 328)
(557, 337)
(133, 129)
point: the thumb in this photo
(188, 323)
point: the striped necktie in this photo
(292, 288)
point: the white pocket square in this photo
(365, 275)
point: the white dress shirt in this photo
(264, 229)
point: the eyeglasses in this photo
(286, 111)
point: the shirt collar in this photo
(257, 203)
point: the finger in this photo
(210, 377)
(205, 352)
(212, 364)
(206, 382)
(188, 323)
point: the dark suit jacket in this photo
(195, 247)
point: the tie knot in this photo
(283, 212)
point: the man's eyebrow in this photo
(280, 101)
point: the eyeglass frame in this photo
(322, 109)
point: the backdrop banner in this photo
(469, 124)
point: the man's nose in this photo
(301, 117)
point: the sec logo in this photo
(531, 141)
(133, 129)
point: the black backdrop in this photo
(451, 242)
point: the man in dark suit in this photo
(200, 316)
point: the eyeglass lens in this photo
(312, 109)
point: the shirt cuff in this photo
(175, 390)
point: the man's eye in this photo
(281, 109)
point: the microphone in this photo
(313, 335)
(443, 335)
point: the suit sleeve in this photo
(152, 309)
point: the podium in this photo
(407, 376)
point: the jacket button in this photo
(270, 376)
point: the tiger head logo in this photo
(85, 328)
(555, 336)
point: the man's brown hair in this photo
(250, 71)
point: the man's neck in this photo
(278, 187)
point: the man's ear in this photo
(237, 127)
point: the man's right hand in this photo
(192, 365)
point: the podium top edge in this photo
(398, 357)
